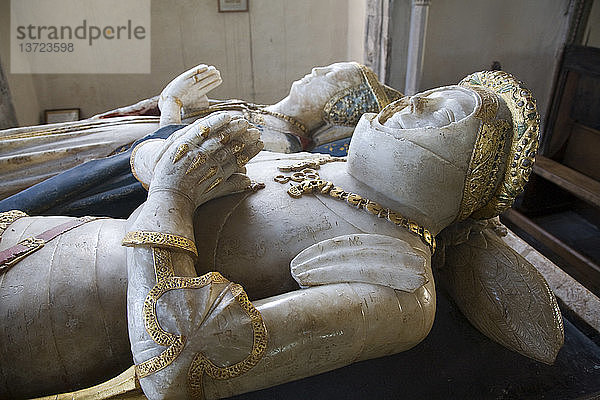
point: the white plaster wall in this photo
(467, 36)
(357, 10)
(259, 53)
(21, 87)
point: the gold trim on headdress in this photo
(478, 201)
(347, 106)
(487, 157)
(377, 88)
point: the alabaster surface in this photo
(309, 95)
(253, 237)
(32, 154)
(500, 292)
(402, 165)
(64, 323)
(333, 256)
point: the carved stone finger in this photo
(181, 151)
(197, 69)
(236, 183)
(209, 84)
(202, 131)
(241, 160)
(213, 185)
(198, 161)
(214, 122)
(199, 76)
(212, 171)
(251, 150)
(236, 146)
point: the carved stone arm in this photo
(211, 341)
(195, 165)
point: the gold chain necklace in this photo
(309, 181)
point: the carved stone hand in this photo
(203, 160)
(187, 91)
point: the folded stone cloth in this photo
(102, 187)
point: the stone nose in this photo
(317, 71)
(417, 104)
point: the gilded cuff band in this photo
(159, 239)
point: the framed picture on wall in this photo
(61, 115)
(233, 5)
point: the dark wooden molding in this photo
(585, 270)
(580, 185)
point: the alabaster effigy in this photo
(322, 107)
(241, 274)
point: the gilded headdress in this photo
(504, 151)
(347, 106)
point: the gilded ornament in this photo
(213, 185)
(225, 138)
(348, 105)
(242, 160)
(202, 131)
(199, 160)
(181, 151)
(374, 208)
(252, 112)
(78, 127)
(201, 364)
(211, 172)
(311, 182)
(236, 147)
(523, 141)
(167, 281)
(159, 239)
(8, 217)
(354, 199)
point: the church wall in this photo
(526, 37)
(21, 86)
(259, 53)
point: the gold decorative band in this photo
(486, 159)
(8, 217)
(198, 161)
(202, 365)
(377, 88)
(162, 360)
(181, 151)
(174, 343)
(159, 239)
(523, 137)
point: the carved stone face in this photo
(432, 109)
(308, 96)
(416, 151)
(323, 80)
